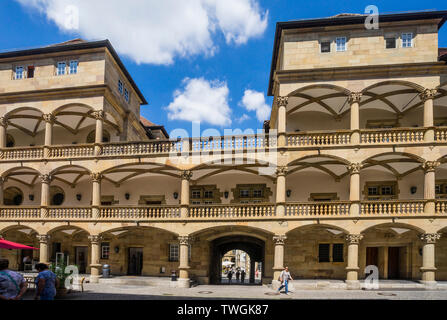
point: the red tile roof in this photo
(146, 122)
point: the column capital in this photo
(354, 168)
(430, 238)
(186, 175)
(4, 122)
(46, 178)
(355, 97)
(49, 118)
(43, 238)
(282, 101)
(95, 239)
(354, 238)
(282, 170)
(184, 240)
(279, 239)
(428, 94)
(96, 176)
(430, 166)
(98, 114)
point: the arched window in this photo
(12, 196)
(10, 141)
(57, 196)
(105, 136)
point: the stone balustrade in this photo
(19, 213)
(401, 207)
(323, 138)
(321, 209)
(441, 207)
(441, 134)
(236, 211)
(70, 213)
(392, 136)
(140, 213)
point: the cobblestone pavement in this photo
(133, 292)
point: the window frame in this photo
(70, 66)
(120, 87)
(386, 43)
(58, 68)
(321, 45)
(22, 73)
(103, 246)
(345, 44)
(404, 41)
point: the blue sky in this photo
(231, 65)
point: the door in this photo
(81, 258)
(135, 266)
(393, 262)
(372, 256)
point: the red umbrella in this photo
(5, 244)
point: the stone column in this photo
(354, 189)
(430, 186)
(428, 268)
(49, 121)
(95, 266)
(96, 194)
(43, 248)
(184, 196)
(427, 96)
(99, 116)
(2, 180)
(252, 277)
(183, 280)
(282, 120)
(3, 126)
(278, 262)
(354, 101)
(281, 191)
(352, 270)
(45, 194)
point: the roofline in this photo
(77, 46)
(348, 20)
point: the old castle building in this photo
(351, 173)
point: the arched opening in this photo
(10, 142)
(57, 196)
(236, 266)
(12, 196)
(253, 248)
(105, 136)
(21, 260)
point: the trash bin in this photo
(106, 271)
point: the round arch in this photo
(373, 224)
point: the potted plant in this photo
(59, 270)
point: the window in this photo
(325, 46)
(323, 252)
(120, 86)
(30, 72)
(126, 95)
(251, 193)
(386, 190)
(208, 194)
(407, 40)
(73, 67)
(205, 194)
(244, 193)
(321, 197)
(257, 193)
(61, 68)
(390, 43)
(196, 194)
(105, 250)
(337, 252)
(19, 73)
(441, 189)
(341, 44)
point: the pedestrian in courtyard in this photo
(243, 276)
(230, 275)
(12, 284)
(46, 283)
(285, 277)
(238, 274)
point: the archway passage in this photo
(253, 247)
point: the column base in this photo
(94, 278)
(352, 285)
(183, 283)
(429, 285)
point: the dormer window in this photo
(19, 73)
(61, 68)
(407, 40)
(341, 44)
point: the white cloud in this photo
(201, 100)
(156, 32)
(243, 118)
(255, 101)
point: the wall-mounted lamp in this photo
(175, 195)
(117, 249)
(79, 197)
(31, 197)
(288, 193)
(226, 194)
(127, 195)
(413, 190)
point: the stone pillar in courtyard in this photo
(281, 173)
(430, 186)
(3, 127)
(96, 194)
(49, 120)
(352, 270)
(43, 247)
(278, 262)
(354, 189)
(45, 194)
(183, 280)
(282, 120)
(184, 196)
(99, 117)
(354, 102)
(428, 268)
(2, 180)
(427, 97)
(95, 266)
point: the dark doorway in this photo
(135, 261)
(254, 247)
(394, 263)
(26, 260)
(372, 256)
(81, 259)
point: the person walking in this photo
(46, 283)
(243, 276)
(12, 284)
(230, 275)
(285, 277)
(238, 274)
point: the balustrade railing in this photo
(236, 211)
(392, 135)
(74, 151)
(324, 209)
(323, 138)
(23, 153)
(379, 208)
(441, 206)
(441, 134)
(17, 213)
(69, 213)
(136, 213)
